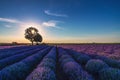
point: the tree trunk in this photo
(37, 43)
(32, 42)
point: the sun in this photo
(33, 31)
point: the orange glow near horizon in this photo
(52, 38)
(19, 36)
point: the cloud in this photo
(52, 24)
(49, 24)
(54, 14)
(10, 20)
(8, 26)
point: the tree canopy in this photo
(32, 35)
(38, 38)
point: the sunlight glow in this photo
(33, 32)
(31, 24)
(21, 31)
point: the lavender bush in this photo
(95, 65)
(72, 69)
(12, 52)
(12, 59)
(110, 62)
(20, 70)
(109, 74)
(46, 69)
(79, 57)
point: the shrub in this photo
(109, 74)
(110, 62)
(46, 69)
(64, 61)
(42, 73)
(48, 63)
(83, 59)
(15, 58)
(11, 52)
(75, 72)
(15, 72)
(86, 76)
(70, 68)
(94, 66)
(79, 57)
(20, 70)
(52, 54)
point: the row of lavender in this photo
(42, 62)
(108, 50)
(102, 68)
(71, 68)
(6, 47)
(19, 67)
(11, 58)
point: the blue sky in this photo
(61, 20)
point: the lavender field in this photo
(64, 62)
(108, 50)
(59, 39)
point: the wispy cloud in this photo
(10, 20)
(8, 26)
(49, 24)
(52, 24)
(54, 14)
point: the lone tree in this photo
(30, 34)
(37, 38)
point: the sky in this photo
(61, 21)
